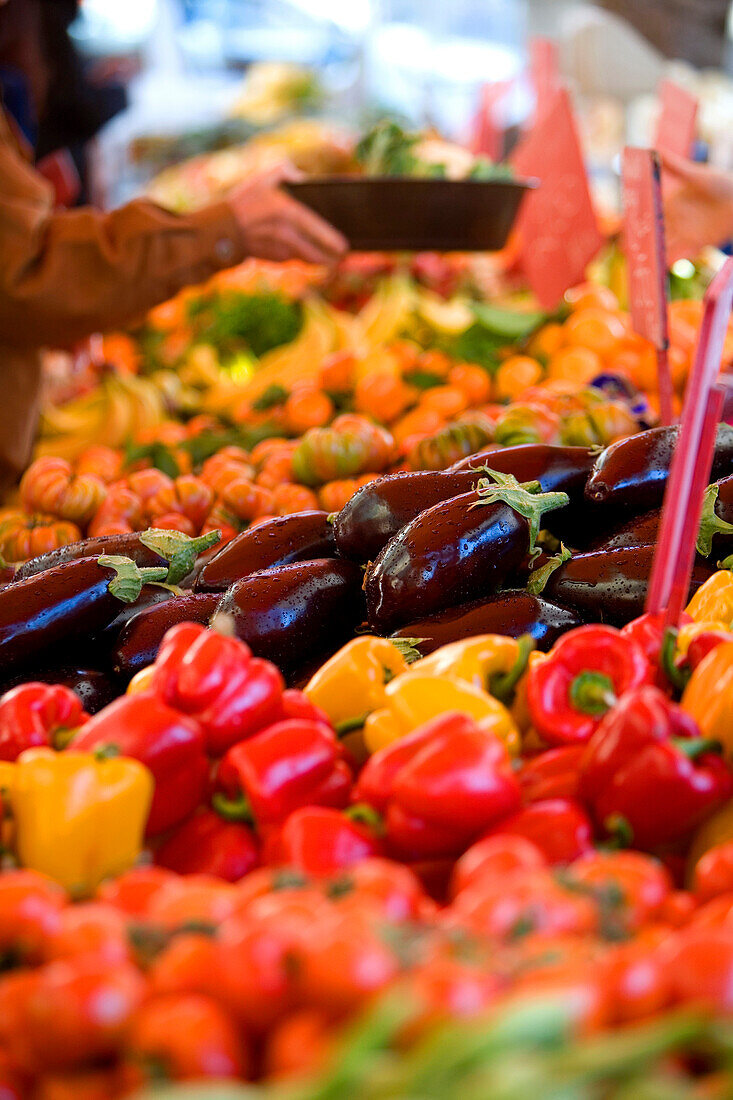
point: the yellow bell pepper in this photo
(714, 600)
(352, 683)
(486, 660)
(690, 631)
(78, 818)
(708, 696)
(416, 697)
(141, 681)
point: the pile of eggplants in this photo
(418, 555)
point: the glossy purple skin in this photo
(631, 475)
(128, 546)
(302, 536)
(610, 586)
(292, 614)
(380, 509)
(449, 554)
(512, 613)
(59, 605)
(139, 641)
(95, 689)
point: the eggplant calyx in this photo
(710, 523)
(179, 550)
(408, 648)
(525, 500)
(129, 578)
(537, 582)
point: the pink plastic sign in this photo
(677, 120)
(646, 263)
(557, 225)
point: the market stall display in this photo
(340, 753)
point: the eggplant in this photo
(641, 530)
(95, 650)
(95, 689)
(632, 474)
(380, 509)
(456, 551)
(511, 612)
(302, 536)
(138, 643)
(611, 586)
(63, 604)
(292, 614)
(129, 546)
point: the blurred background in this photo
(195, 75)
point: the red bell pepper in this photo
(559, 827)
(704, 643)
(206, 845)
(582, 677)
(551, 774)
(296, 704)
(38, 715)
(440, 787)
(647, 769)
(320, 842)
(291, 764)
(231, 693)
(170, 744)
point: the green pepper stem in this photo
(677, 676)
(502, 684)
(692, 747)
(232, 809)
(592, 693)
(350, 724)
(364, 814)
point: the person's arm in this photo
(698, 206)
(65, 275)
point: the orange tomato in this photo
(276, 469)
(546, 341)
(293, 498)
(104, 462)
(434, 362)
(174, 521)
(307, 407)
(598, 329)
(415, 424)
(246, 500)
(300, 1044)
(514, 375)
(592, 296)
(448, 401)
(121, 351)
(90, 929)
(25, 536)
(49, 485)
(335, 494)
(146, 484)
(382, 395)
(190, 1036)
(337, 372)
(188, 496)
(79, 1011)
(133, 891)
(474, 382)
(576, 364)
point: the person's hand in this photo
(698, 206)
(276, 227)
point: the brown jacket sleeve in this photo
(66, 275)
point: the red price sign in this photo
(646, 263)
(544, 71)
(557, 225)
(677, 120)
(487, 138)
